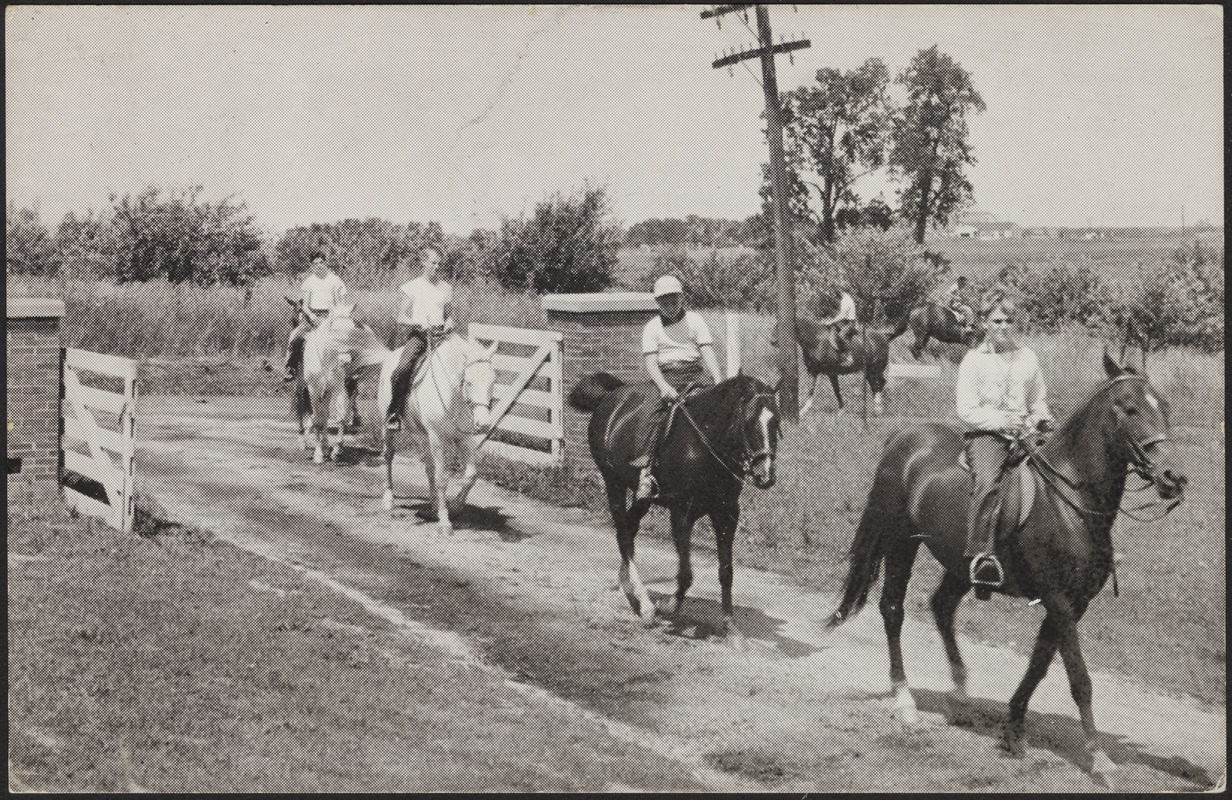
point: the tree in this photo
(886, 271)
(171, 234)
(569, 245)
(28, 247)
(835, 132)
(929, 139)
(365, 251)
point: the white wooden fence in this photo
(547, 401)
(110, 459)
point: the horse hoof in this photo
(318, 457)
(957, 711)
(1011, 746)
(446, 529)
(1102, 768)
(388, 500)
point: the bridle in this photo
(746, 459)
(1140, 463)
(433, 338)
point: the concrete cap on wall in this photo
(599, 302)
(33, 307)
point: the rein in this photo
(433, 345)
(1140, 464)
(746, 459)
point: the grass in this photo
(171, 661)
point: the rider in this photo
(846, 313)
(321, 290)
(956, 298)
(673, 343)
(1000, 393)
(425, 307)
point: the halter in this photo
(1140, 463)
(433, 340)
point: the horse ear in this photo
(1110, 365)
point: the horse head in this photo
(478, 378)
(759, 429)
(1137, 418)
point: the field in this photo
(1167, 628)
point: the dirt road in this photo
(530, 591)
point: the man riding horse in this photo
(424, 312)
(1000, 396)
(956, 300)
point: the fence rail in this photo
(543, 364)
(110, 460)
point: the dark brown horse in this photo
(1061, 555)
(934, 321)
(869, 351)
(720, 436)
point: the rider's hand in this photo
(669, 392)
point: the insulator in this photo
(746, 16)
(731, 71)
(791, 58)
(719, 22)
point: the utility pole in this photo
(784, 260)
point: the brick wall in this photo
(33, 398)
(602, 333)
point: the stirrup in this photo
(981, 561)
(393, 422)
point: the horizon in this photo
(1098, 117)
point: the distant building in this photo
(981, 225)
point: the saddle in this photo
(1008, 506)
(420, 369)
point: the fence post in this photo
(733, 344)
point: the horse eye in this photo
(1130, 411)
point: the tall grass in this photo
(157, 319)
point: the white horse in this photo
(450, 400)
(334, 350)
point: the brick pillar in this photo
(602, 333)
(33, 397)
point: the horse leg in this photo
(875, 375)
(438, 480)
(917, 346)
(900, 556)
(944, 603)
(838, 395)
(470, 473)
(808, 403)
(725, 520)
(682, 535)
(1041, 657)
(627, 521)
(387, 448)
(1080, 686)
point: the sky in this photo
(1104, 115)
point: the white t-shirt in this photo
(428, 301)
(678, 342)
(324, 293)
(846, 308)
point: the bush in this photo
(366, 253)
(741, 282)
(28, 247)
(569, 245)
(1177, 302)
(1061, 292)
(886, 270)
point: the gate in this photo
(529, 383)
(101, 422)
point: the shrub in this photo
(886, 270)
(1059, 292)
(741, 282)
(568, 245)
(28, 246)
(1176, 302)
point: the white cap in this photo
(668, 284)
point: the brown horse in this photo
(934, 321)
(720, 436)
(1061, 555)
(869, 351)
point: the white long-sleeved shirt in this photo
(996, 391)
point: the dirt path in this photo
(531, 590)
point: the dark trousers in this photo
(416, 343)
(986, 453)
(651, 426)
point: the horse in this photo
(869, 351)
(1061, 555)
(337, 354)
(449, 400)
(936, 321)
(719, 436)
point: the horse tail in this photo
(591, 390)
(882, 518)
(900, 327)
